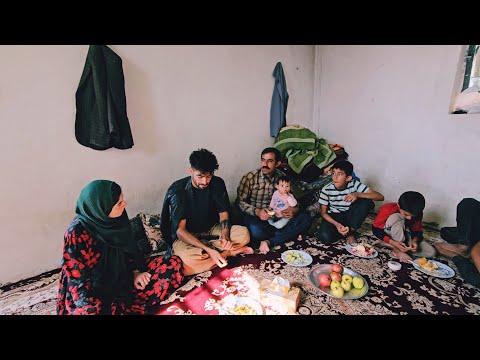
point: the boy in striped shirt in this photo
(345, 205)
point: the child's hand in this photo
(399, 245)
(351, 197)
(343, 230)
(413, 246)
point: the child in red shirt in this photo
(392, 222)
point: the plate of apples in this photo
(339, 282)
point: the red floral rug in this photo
(407, 291)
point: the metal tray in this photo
(327, 268)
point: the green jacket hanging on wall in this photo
(101, 120)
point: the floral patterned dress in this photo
(81, 253)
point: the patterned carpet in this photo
(407, 291)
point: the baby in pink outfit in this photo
(282, 199)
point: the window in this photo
(467, 99)
(470, 70)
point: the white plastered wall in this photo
(389, 107)
(179, 98)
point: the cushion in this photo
(151, 224)
(146, 232)
(137, 228)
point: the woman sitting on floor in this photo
(463, 241)
(103, 271)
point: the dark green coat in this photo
(101, 121)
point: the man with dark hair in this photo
(254, 194)
(392, 222)
(195, 218)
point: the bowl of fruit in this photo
(339, 282)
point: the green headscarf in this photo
(111, 277)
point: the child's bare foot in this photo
(263, 249)
(403, 257)
(382, 243)
(243, 250)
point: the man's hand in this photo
(224, 244)
(217, 257)
(263, 214)
(290, 212)
(141, 280)
(351, 197)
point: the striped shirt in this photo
(255, 191)
(333, 198)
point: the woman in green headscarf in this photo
(103, 271)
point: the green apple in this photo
(358, 282)
(336, 289)
(347, 277)
(346, 285)
(335, 284)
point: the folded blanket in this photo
(321, 156)
(325, 153)
(295, 137)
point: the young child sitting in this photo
(391, 223)
(345, 205)
(282, 199)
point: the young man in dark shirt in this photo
(195, 218)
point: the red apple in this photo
(324, 280)
(337, 268)
(335, 276)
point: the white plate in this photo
(327, 269)
(241, 305)
(443, 271)
(350, 250)
(301, 258)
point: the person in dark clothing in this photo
(195, 218)
(103, 270)
(463, 241)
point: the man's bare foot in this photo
(403, 257)
(263, 249)
(446, 249)
(243, 250)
